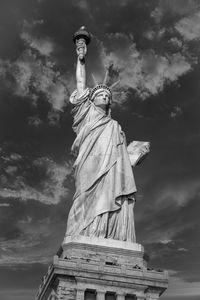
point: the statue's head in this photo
(101, 96)
(99, 89)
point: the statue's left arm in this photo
(138, 151)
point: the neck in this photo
(102, 107)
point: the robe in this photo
(104, 198)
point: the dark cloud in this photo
(40, 179)
(170, 230)
(20, 275)
(35, 233)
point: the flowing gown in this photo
(104, 199)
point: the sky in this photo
(153, 47)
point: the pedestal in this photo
(101, 269)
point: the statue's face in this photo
(102, 99)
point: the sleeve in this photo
(78, 99)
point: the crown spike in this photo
(106, 77)
(114, 84)
(94, 79)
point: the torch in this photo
(81, 38)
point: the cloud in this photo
(169, 228)
(146, 72)
(165, 241)
(27, 193)
(11, 170)
(177, 111)
(161, 70)
(157, 14)
(189, 27)
(176, 42)
(17, 294)
(82, 4)
(180, 7)
(34, 74)
(35, 243)
(153, 35)
(179, 287)
(53, 118)
(4, 204)
(179, 194)
(15, 157)
(34, 121)
(57, 175)
(44, 46)
(33, 77)
(30, 77)
(173, 10)
(48, 189)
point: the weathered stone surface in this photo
(82, 266)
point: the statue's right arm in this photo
(81, 93)
(80, 74)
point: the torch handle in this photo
(81, 48)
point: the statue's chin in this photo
(102, 106)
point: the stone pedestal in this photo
(101, 269)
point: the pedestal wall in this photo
(101, 269)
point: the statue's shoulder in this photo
(78, 98)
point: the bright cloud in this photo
(33, 74)
(145, 72)
(43, 46)
(189, 27)
(31, 77)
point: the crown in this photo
(102, 86)
(99, 87)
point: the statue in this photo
(104, 200)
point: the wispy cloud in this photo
(174, 9)
(17, 294)
(82, 4)
(169, 228)
(4, 204)
(27, 193)
(51, 189)
(34, 245)
(179, 194)
(179, 287)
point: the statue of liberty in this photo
(103, 204)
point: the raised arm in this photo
(80, 67)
